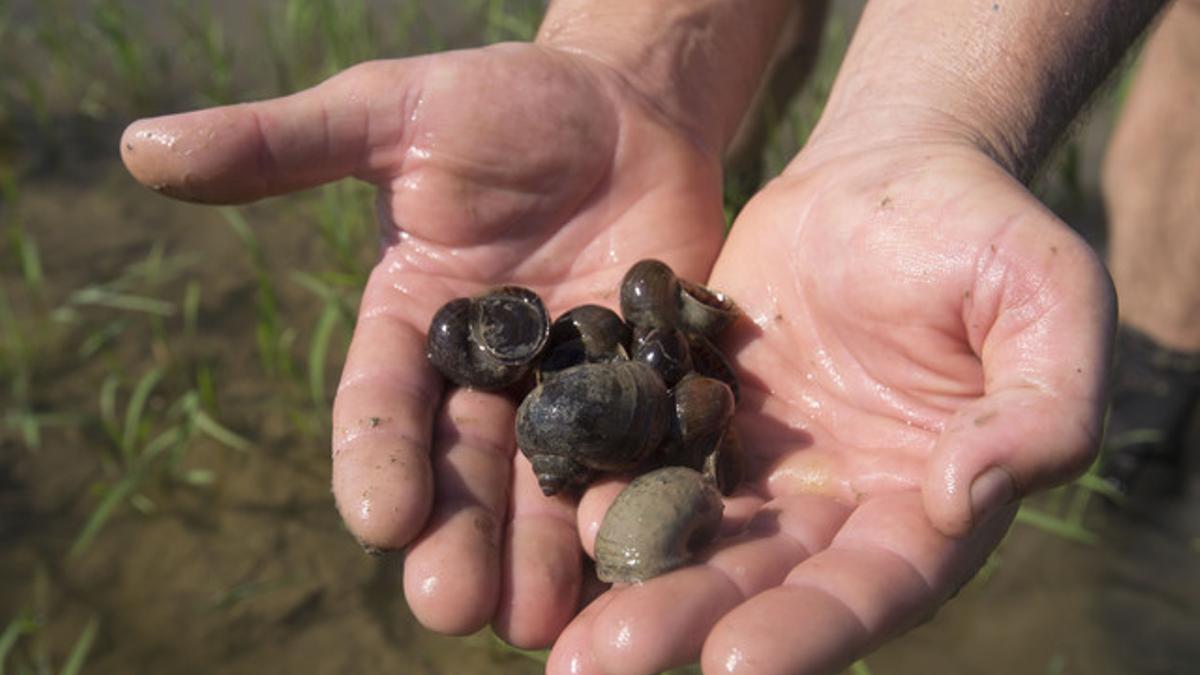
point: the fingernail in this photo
(991, 490)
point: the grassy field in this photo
(166, 370)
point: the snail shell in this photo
(710, 362)
(650, 295)
(705, 311)
(490, 341)
(703, 408)
(664, 349)
(657, 524)
(725, 465)
(586, 334)
(601, 416)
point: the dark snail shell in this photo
(489, 341)
(559, 473)
(705, 311)
(602, 416)
(664, 349)
(710, 362)
(650, 295)
(586, 334)
(725, 465)
(657, 524)
(703, 408)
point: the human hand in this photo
(513, 164)
(926, 343)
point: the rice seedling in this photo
(116, 29)
(204, 39)
(505, 20)
(274, 339)
(1062, 511)
(860, 668)
(335, 312)
(146, 444)
(24, 628)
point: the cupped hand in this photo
(513, 164)
(925, 344)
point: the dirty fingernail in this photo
(991, 490)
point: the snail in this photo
(656, 524)
(592, 417)
(652, 296)
(490, 341)
(702, 409)
(586, 334)
(614, 394)
(665, 349)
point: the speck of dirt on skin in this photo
(483, 525)
(985, 418)
(374, 422)
(996, 7)
(129, 147)
(885, 202)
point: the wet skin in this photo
(906, 308)
(875, 386)
(513, 164)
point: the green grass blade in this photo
(83, 645)
(318, 351)
(1097, 484)
(96, 340)
(108, 406)
(173, 437)
(1056, 526)
(103, 297)
(191, 307)
(12, 634)
(31, 263)
(134, 411)
(223, 435)
(860, 668)
(111, 500)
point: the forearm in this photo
(1006, 75)
(697, 62)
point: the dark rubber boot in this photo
(1155, 391)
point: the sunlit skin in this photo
(560, 188)
(924, 342)
(873, 385)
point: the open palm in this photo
(916, 319)
(513, 164)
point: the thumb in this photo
(240, 153)
(1045, 355)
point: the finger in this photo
(662, 623)
(240, 153)
(383, 420)
(572, 653)
(885, 571)
(542, 566)
(1045, 356)
(452, 572)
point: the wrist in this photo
(694, 63)
(1003, 77)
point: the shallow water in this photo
(253, 572)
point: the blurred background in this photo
(166, 373)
